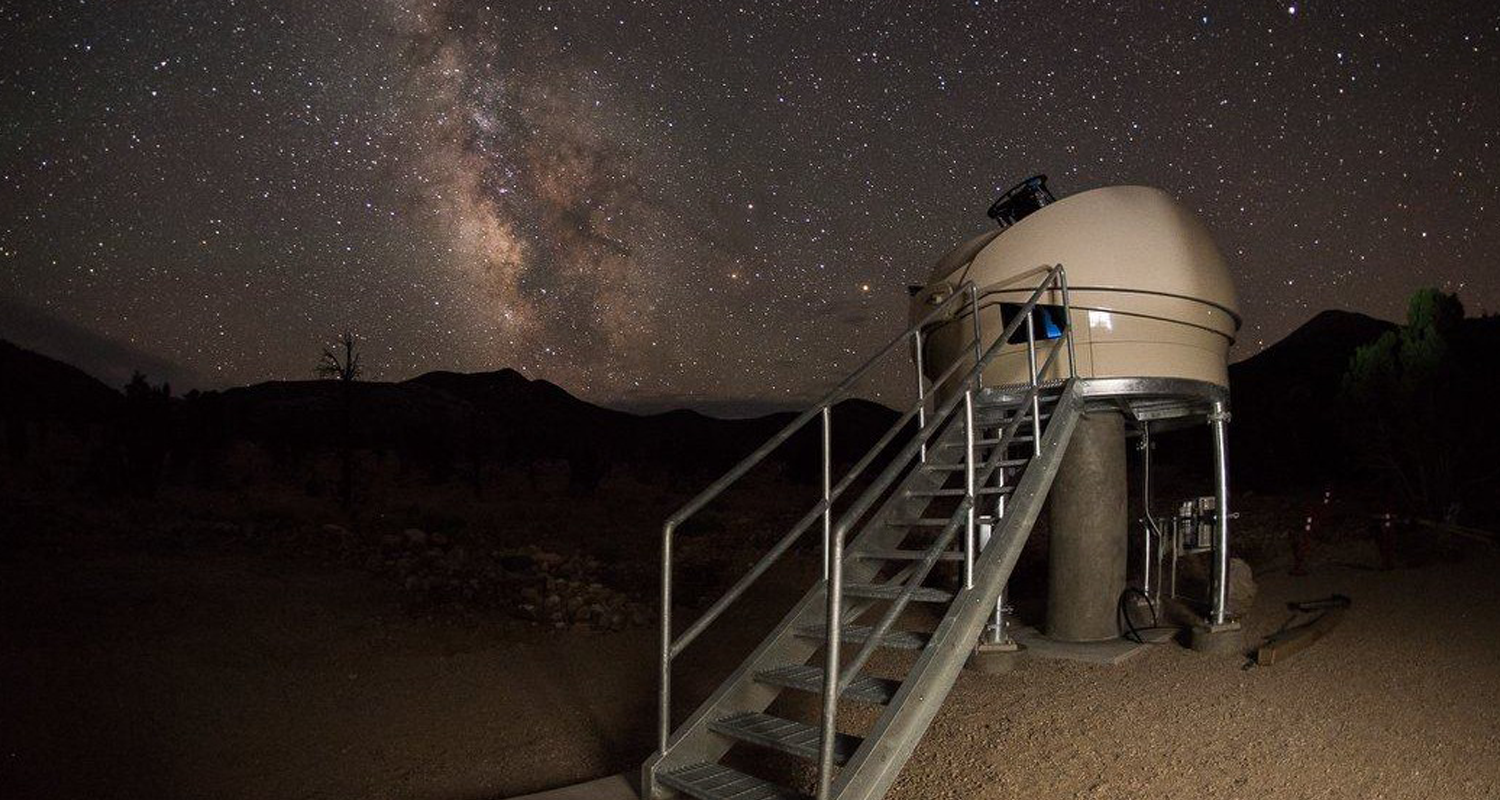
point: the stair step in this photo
(889, 554)
(992, 419)
(807, 678)
(787, 735)
(886, 591)
(988, 442)
(983, 490)
(859, 634)
(935, 466)
(934, 522)
(994, 399)
(718, 782)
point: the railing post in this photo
(1062, 280)
(921, 390)
(1219, 419)
(969, 488)
(997, 628)
(827, 485)
(664, 697)
(1146, 557)
(831, 664)
(978, 341)
(1036, 401)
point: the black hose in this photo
(1132, 631)
(1122, 613)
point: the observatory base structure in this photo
(1087, 544)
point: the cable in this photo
(1122, 612)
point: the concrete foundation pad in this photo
(1218, 640)
(615, 787)
(1112, 651)
(995, 659)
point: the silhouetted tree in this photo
(341, 362)
(1404, 394)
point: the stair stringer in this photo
(888, 745)
(693, 742)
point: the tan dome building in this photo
(1151, 297)
(1040, 348)
(1152, 313)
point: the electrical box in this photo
(1194, 524)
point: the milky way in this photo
(714, 205)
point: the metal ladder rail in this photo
(1025, 410)
(834, 683)
(870, 771)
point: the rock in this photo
(415, 537)
(439, 539)
(335, 530)
(1194, 577)
(390, 540)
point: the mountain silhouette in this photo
(1284, 400)
(34, 386)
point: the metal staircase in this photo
(970, 470)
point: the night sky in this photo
(658, 204)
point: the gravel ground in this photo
(1400, 700)
(233, 677)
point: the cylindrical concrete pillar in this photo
(1086, 559)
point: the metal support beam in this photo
(1148, 529)
(916, 339)
(1218, 420)
(827, 487)
(969, 488)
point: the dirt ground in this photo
(1400, 700)
(232, 675)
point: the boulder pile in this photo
(532, 583)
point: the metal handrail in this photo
(851, 669)
(670, 648)
(788, 539)
(835, 678)
(928, 428)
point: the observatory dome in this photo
(1150, 295)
